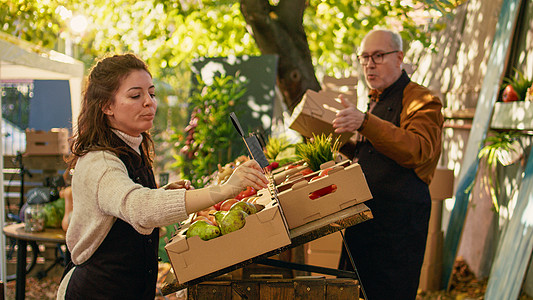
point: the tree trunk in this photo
(278, 29)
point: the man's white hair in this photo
(396, 38)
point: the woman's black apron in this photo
(388, 250)
(125, 264)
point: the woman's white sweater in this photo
(103, 192)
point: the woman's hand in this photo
(180, 184)
(247, 174)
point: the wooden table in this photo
(16, 231)
(300, 235)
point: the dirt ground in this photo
(464, 287)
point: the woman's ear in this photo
(107, 110)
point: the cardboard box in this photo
(192, 258)
(297, 177)
(430, 274)
(441, 186)
(51, 142)
(435, 218)
(315, 114)
(433, 254)
(329, 243)
(323, 259)
(299, 208)
(430, 277)
(281, 176)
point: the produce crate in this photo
(274, 289)
(315, 114)
(297, 177)
(193, 257)
(351, 189)
(51, 142)
(281, 174)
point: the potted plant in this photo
(500, 150)
(516, 88)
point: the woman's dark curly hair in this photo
(93, 131)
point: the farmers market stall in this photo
(298, 236)
(305, 200)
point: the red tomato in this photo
(249, 191)
(323, 191)
(509, 94)
(226, 205)
(321, 174)
(306, 171)
(273, 165)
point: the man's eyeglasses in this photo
(376, 58)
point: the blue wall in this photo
(50, 106)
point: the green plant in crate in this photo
(318, 150)
(207, 140)
(500, 149)
(279, 149)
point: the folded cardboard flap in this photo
(267, 216)
(179, 243)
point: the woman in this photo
(113, 232)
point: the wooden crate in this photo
(274, 289)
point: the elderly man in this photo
(398, 147)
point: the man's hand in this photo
(181, 184)
(349, 119)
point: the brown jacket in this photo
(417, 142)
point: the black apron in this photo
(125, 265)
(388, 250)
